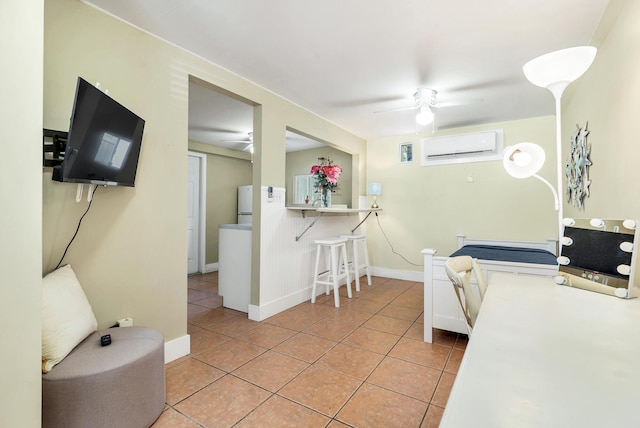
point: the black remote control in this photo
(105, 340)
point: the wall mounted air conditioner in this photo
(462, 148)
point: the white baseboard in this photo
(262, 312)
(407, 275)
(211, 267)
(177, 348)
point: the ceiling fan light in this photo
(565, 65)
(425, 116)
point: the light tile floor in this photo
(361, 365)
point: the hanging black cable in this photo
(391, 245)
(78, 228)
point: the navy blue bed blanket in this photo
(507, 254)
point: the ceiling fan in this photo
(248, 142)
(425, 100)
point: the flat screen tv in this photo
(104, 140)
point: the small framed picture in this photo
(406, 152)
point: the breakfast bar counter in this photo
(334, 210)
(321, 211)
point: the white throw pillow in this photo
(67, 317)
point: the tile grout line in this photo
(326, 316)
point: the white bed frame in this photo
(441, 307)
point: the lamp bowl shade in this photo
(375, 188)
(565, 65)
(534, 155)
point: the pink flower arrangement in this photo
(326, 173)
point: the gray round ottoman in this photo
(119, 385)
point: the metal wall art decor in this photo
(576, 169)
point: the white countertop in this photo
(335, 210)
(545, 355)
(235, 226)
(321, 211)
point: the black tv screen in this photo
(104, 140)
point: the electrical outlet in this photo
(125, 322)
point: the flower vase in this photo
(326, 197)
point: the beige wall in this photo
(425, 207)
(152, 79)
(608, 98)
(498, 206)
(224, 175)
(21, 38)
(300, 162)
(130, 254)
(226, 170)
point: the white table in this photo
(544, 355)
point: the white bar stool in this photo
(356, 266)
(334, 274)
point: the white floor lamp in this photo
(553, 71)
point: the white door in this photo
(193, 214)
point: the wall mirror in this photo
(303, 189)
(302, 153)
(598, 255)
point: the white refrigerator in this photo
(244, 204)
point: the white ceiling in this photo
(215, 118)
(346, 59)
